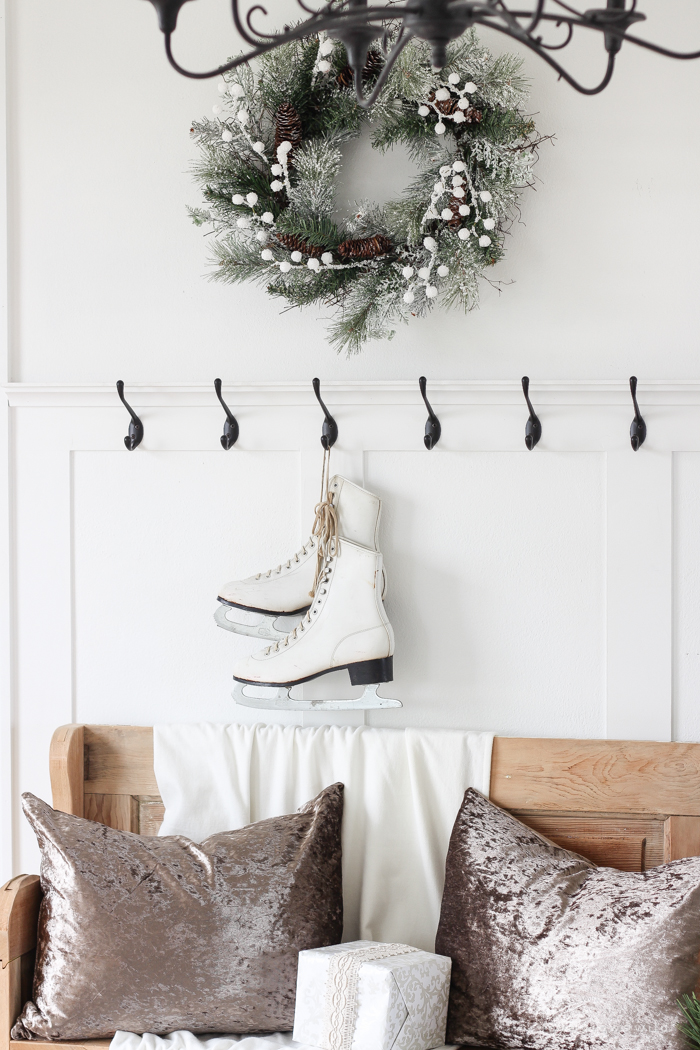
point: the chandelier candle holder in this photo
(358, 25)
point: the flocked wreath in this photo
(271, 155)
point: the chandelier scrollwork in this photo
(358, 24)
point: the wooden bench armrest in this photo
(19, 912)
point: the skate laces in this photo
(288, 564)
(325, 527)
(306, 620)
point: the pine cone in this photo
(448, 105)
(288, 128)
(473, 115)
(456, 221)
(298, 244)
(373, 66)
(365, 247)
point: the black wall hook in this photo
(329, 431)
(433, 430)
(230, 435)
(533, 427)
(135, 436)
(638, 429)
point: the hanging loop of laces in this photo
(325, 526)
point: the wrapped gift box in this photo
(369, 996)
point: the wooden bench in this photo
(624, 804)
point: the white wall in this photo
(107, 270)
(552, 593)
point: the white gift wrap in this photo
(400, 1002)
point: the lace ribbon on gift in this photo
(341, 990)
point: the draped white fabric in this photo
(403, 789)
(188, 1041)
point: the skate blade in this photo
(262, 629)
(280, 700)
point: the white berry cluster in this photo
(325, 48)
(281, 168)
(424, 274)
(445, 92)
(232, 95)
(454, 182)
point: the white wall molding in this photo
(574, 392)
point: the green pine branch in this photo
(320, 231)
(689, 1006)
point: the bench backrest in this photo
(624, 804)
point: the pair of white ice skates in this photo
(335, 586)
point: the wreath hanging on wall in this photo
(271, 156)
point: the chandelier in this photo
(358, 24)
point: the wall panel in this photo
(496, 588)
(155, 536)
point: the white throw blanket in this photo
(403, 788)
(188, 1041)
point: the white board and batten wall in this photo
(552, 593)
(549, 593)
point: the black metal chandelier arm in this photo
(536, 17)
(535, 46)
(499, 9)
(260, 36)
(565, 43)
(311, 25)
(225, 68)
(661, 50)
(572, 22)
(365, 103)
(238, 23)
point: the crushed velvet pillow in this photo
(159, 934)
(551, 952)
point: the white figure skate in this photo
(345, 627)
(347, 510)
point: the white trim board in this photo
(599, 393)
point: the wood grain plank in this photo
(613, 776)
(628, 842)
(19, 912)
(116, 811)
(150, 814)
(681, 837)
(67, 769)
(86, 1044)
(119, 760)
(10, 999)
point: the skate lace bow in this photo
(325, 529)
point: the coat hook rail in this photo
(231, 429)
(638, 429)
(135, 435)
(433, 430)
(329, 431)
(533, 427)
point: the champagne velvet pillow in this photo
(550, 952)
(159, 934)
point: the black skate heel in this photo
(371, 672)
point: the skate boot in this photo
(345, 627)
(346, 510)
